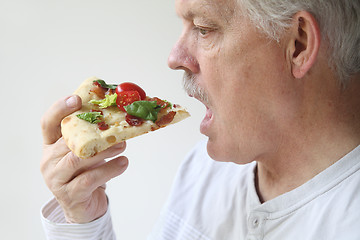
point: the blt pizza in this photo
(112, 113)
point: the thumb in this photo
(51, 120)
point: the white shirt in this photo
(216, 200)
(56, 228)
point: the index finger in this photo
(51, 120)
(71, 165)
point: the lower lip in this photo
(206, 122)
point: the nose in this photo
(180, 57)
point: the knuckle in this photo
(63, 196)
(73, 162)
(86, 181)
(80, 187)
(62, 192)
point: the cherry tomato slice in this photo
(126, 98)
(128, 86)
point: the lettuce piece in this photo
(147, 110)
(105, 85)
(108, 101)
(91, 117)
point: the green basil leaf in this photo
(105, 85)
(108, 101)
(91, 117)
(147, 110)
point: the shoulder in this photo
(337, 211)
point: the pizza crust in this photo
(86, 139)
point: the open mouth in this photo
(206, 122)
(194, 90)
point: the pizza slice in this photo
(114, 113)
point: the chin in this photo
(224, 152)
(218, 152)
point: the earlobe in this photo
(304, 43)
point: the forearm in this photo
(56, 227)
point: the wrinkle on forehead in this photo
(189, 9)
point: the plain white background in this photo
(47, 48)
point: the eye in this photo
(202, 30)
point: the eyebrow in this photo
(195, 11)
(203, 10)
(191, 14)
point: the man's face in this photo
(243, 75)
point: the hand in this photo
(77, 184)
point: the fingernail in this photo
(71, 102)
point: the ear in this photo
(304, 43)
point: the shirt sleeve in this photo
(56, 227)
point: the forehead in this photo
(189, 9)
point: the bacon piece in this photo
(166, 119)
(110, 92)
(159, 102)
(103, 126)
(98, 90)
(133, 121)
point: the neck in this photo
(312, 144)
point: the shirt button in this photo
(255, 223)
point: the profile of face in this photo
(243, 78)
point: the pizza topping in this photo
(103, 84)
(102, 125)
(101, 88)
(166, 119)
(110, 92)
(95, 110)
(133, 121)
(147, 110)
(94, 117)
(108, 101)
(126, 98)
(98, 90)
(91, 117)
(128, 86)
(161, 103)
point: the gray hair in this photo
(339, 22)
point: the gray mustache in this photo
(193, 89)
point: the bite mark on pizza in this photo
(112, 113)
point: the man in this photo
(281, 83)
